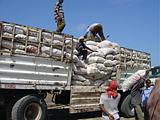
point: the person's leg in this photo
(100, 33)
(80, 53)
(60, 26)
(90, 36)
(138, 113)
(146, 116)
(84, 54)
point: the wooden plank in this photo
(85, 98)
(63, 48)
(0, 36)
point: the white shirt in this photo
(92, 26)
(110, 104)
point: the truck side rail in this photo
(34, 58)
(12, 34)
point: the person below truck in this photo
(153, 104)
(145, 95)
(82, 48)
(92, 32)
(109, 102)
(136, 97)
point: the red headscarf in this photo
(111, 89)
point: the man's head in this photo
(81, 39)
(148, 83)
(111, 89)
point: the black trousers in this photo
(83, 53)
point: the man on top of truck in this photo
(82, 48)
(59, 16)
(93, 30)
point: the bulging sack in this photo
(130, 81)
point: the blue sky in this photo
(131, 23)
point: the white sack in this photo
(8, 28)
(95, 59)
(57, 42)
(46, 35)
(106, 51)
(21, 36)
(68, 41)
(55, 52)
(20, 51)
(94, 72)
(93, 43)
(92, 69)
(98, 54)
(117, 57)
(47, 40)
(116, 45)
(58, 37)
(7, 34)
(92, 47)
(33, 39)
(109, 63)
(101, 67)
(8, 44)
(127, 84)
(109, 57)
(19, 31)
(81, 64)
(105, 44)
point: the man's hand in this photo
(111, 117)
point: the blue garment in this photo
(145, 95)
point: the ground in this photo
(64, 115)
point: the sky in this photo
(133, 24)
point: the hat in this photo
(81, 38)
(111, 89)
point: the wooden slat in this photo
(85, 98)
(63, 48)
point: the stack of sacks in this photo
(7, 30)
(127, 84)
(80, 72)
(101, 64)
(29, 44)
(57, 42)
(18, 45)
(136, 59)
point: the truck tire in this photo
(29, 107)
(126, 108)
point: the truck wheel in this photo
(126, 108)
(29, 107)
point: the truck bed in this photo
(24, 68)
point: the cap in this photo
(81, 37)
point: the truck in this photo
(36, 73)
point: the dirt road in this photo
(64, 115)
